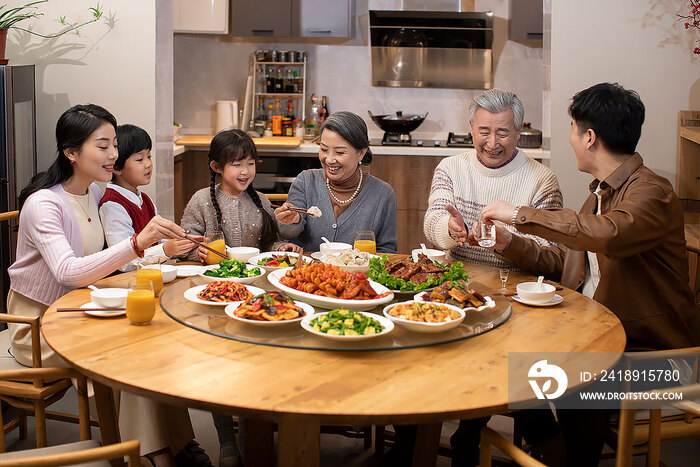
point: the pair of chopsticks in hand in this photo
(206, 247)
(299, 210)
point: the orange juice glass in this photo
(216, 241)
(140, 303)
(152, 275)
(365, 241)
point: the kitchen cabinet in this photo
(688, 163)
(292, 18)
(262, 17)
(200, 16)
(526, 20)
(323, 18)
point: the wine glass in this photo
(503, 273)
(365, 241)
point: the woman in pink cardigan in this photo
(59, 248)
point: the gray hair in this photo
(352, 129)
(496, 101)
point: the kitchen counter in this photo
(311, 149)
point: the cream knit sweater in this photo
(463, 182)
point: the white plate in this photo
(489, 302)
(254, 260)
(100, 314)
(188, 270)
(240, 280)
(305, 306)
(328, 302)
(191, 295)
(317, 255)
(387, 323)
(428, 328)
(556, 300)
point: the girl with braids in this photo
(234, 207)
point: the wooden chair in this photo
(33, 395)
(9, 215)
(490, 438)
(276, 196)
(694, 264)
(86, 450)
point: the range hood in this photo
(438, 49)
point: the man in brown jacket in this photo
(626, 246)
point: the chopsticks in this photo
(299, 210)
(206, 247)
(63, 310)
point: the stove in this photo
(459, 141)
(396, 139)
(453, 141)
(414, 142)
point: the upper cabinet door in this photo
(262, 17)
(200, 16)
(326, 18)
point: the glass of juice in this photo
(216, 241)
(140, 302)
(152, 273)
(365, 241)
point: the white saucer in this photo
(556, 300)
(317, 255)
(101, 314)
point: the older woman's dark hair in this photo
(131, 139)
(352, 129)
(615, 114)
(73, 128)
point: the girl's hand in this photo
(289, 247)
(157, 229)
(179, 246)
(285, 216)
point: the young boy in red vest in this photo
(124, 210)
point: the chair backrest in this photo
(129, 449)
(9, 215)
(33, 322)
(276, 196)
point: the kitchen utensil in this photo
(226, 115)
(299, 210)
(206, 247)
(529, 137)
(92, 287)
(398, 123)
(325, 240)
(539, 283)
(64, 310)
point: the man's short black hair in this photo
(613, 112)
(130, 140)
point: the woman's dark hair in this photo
(131, 139)
(227, 147)
(615, 114)
(352, 129)
(72, 129)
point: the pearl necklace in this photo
(357, 190)
(80, 203)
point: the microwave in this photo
(438, 49)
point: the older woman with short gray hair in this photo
(349, 198)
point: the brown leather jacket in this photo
(640, 245)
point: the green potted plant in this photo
(9, 17)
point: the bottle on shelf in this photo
(323, 111)
(295, 83)
(279, 79)
(298, 83)
(269, 80)
(260, 118)
(268, 121)
(312, 121)
(277, 119)
(289, 80)
(287, 127)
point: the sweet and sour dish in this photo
(224, 291)
(270, 306)
(330, 281)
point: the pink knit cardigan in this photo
(50, 261)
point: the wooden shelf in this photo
(691, 133)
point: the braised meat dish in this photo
(417, 272)
(455, 293)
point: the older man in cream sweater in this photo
(464, 184)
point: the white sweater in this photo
(463, 182)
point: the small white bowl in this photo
(110, 297)
(168, 271)
(426, 328)
(433, 255)
(334, 247)
(535, 293)
(242, 253)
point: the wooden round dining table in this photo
(300, 389)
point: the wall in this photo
(110, 63)
(637, 43)
(210, 68)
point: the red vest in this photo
(140, 216)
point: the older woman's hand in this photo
(285, 216)
(289, 247)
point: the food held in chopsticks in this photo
(424, 312)
(455, 293)
(349, 258)
(407, 276)
(330, 281)
(271, 306)
(314, 211)
(232, 268)
(343, 322)
(224, 291)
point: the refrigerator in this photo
(18, 162)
